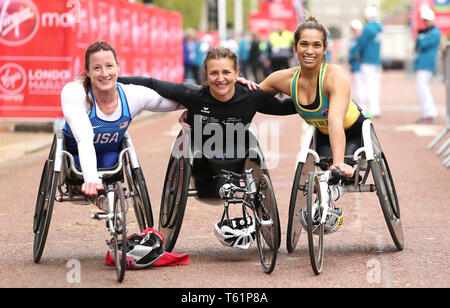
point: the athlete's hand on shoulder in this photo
(183, 121)
(90, 189)
(250, 84)
(345, 169)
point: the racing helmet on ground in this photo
(142, 249)
(236, 232)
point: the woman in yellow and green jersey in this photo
(321, 95)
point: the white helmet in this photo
(226, 190)
(356, 24)
(236, 232)
(426, 13)
(333, 222)
(371, 13)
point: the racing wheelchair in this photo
(61, 181)
(191, 173)
(315, 189)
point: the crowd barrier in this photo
(445, 147)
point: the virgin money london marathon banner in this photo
(42, 46)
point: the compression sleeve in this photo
(269, 104)
(74, 107)
(142, 98)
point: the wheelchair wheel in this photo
(44, 204)
(386, 192)
(257, 172)
(137, 188)
(313, 226)
(120, 232)
(267, 224)
(297, 202)
(173, 201)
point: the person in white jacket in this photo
(427, 46)
(98, 111)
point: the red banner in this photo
(274, 13)
(42, 46)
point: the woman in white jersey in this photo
(98, 111)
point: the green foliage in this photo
(191, 10)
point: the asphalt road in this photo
(361, 254)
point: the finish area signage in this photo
(42, 46)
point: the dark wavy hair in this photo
(312, 23)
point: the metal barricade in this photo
(445, 147)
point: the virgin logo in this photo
(12, 78)
(19, 20)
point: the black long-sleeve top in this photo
(231, 119)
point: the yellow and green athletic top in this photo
(317, 113)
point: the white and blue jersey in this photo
(94, 137)
(107, 134)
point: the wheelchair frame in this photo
(311, 186)
(177, 184)
(60, 172)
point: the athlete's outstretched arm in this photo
(74, 110)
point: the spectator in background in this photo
(355, 65)
(204, 45)
(330, 46)
(427, 46)
(190, 47)
(369, 54)
(258, 58)
(244, 53)
(281, 48)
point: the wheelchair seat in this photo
(204, 169)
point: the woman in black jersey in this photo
(223, 110)
(222, 106)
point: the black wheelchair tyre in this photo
(388, 199)
(267, 236)
(386, 192)
(173, 200)
(255, 164)
(315, 241)
(137, 187)
(297, 202)
(120, 234)
(44, 203)
(44, 208)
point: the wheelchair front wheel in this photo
(173, 200)
(386, 192)
(139, 194)
(119, 224)
(267, 224)
(314, 227)
(297, 202)
(44, 208)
